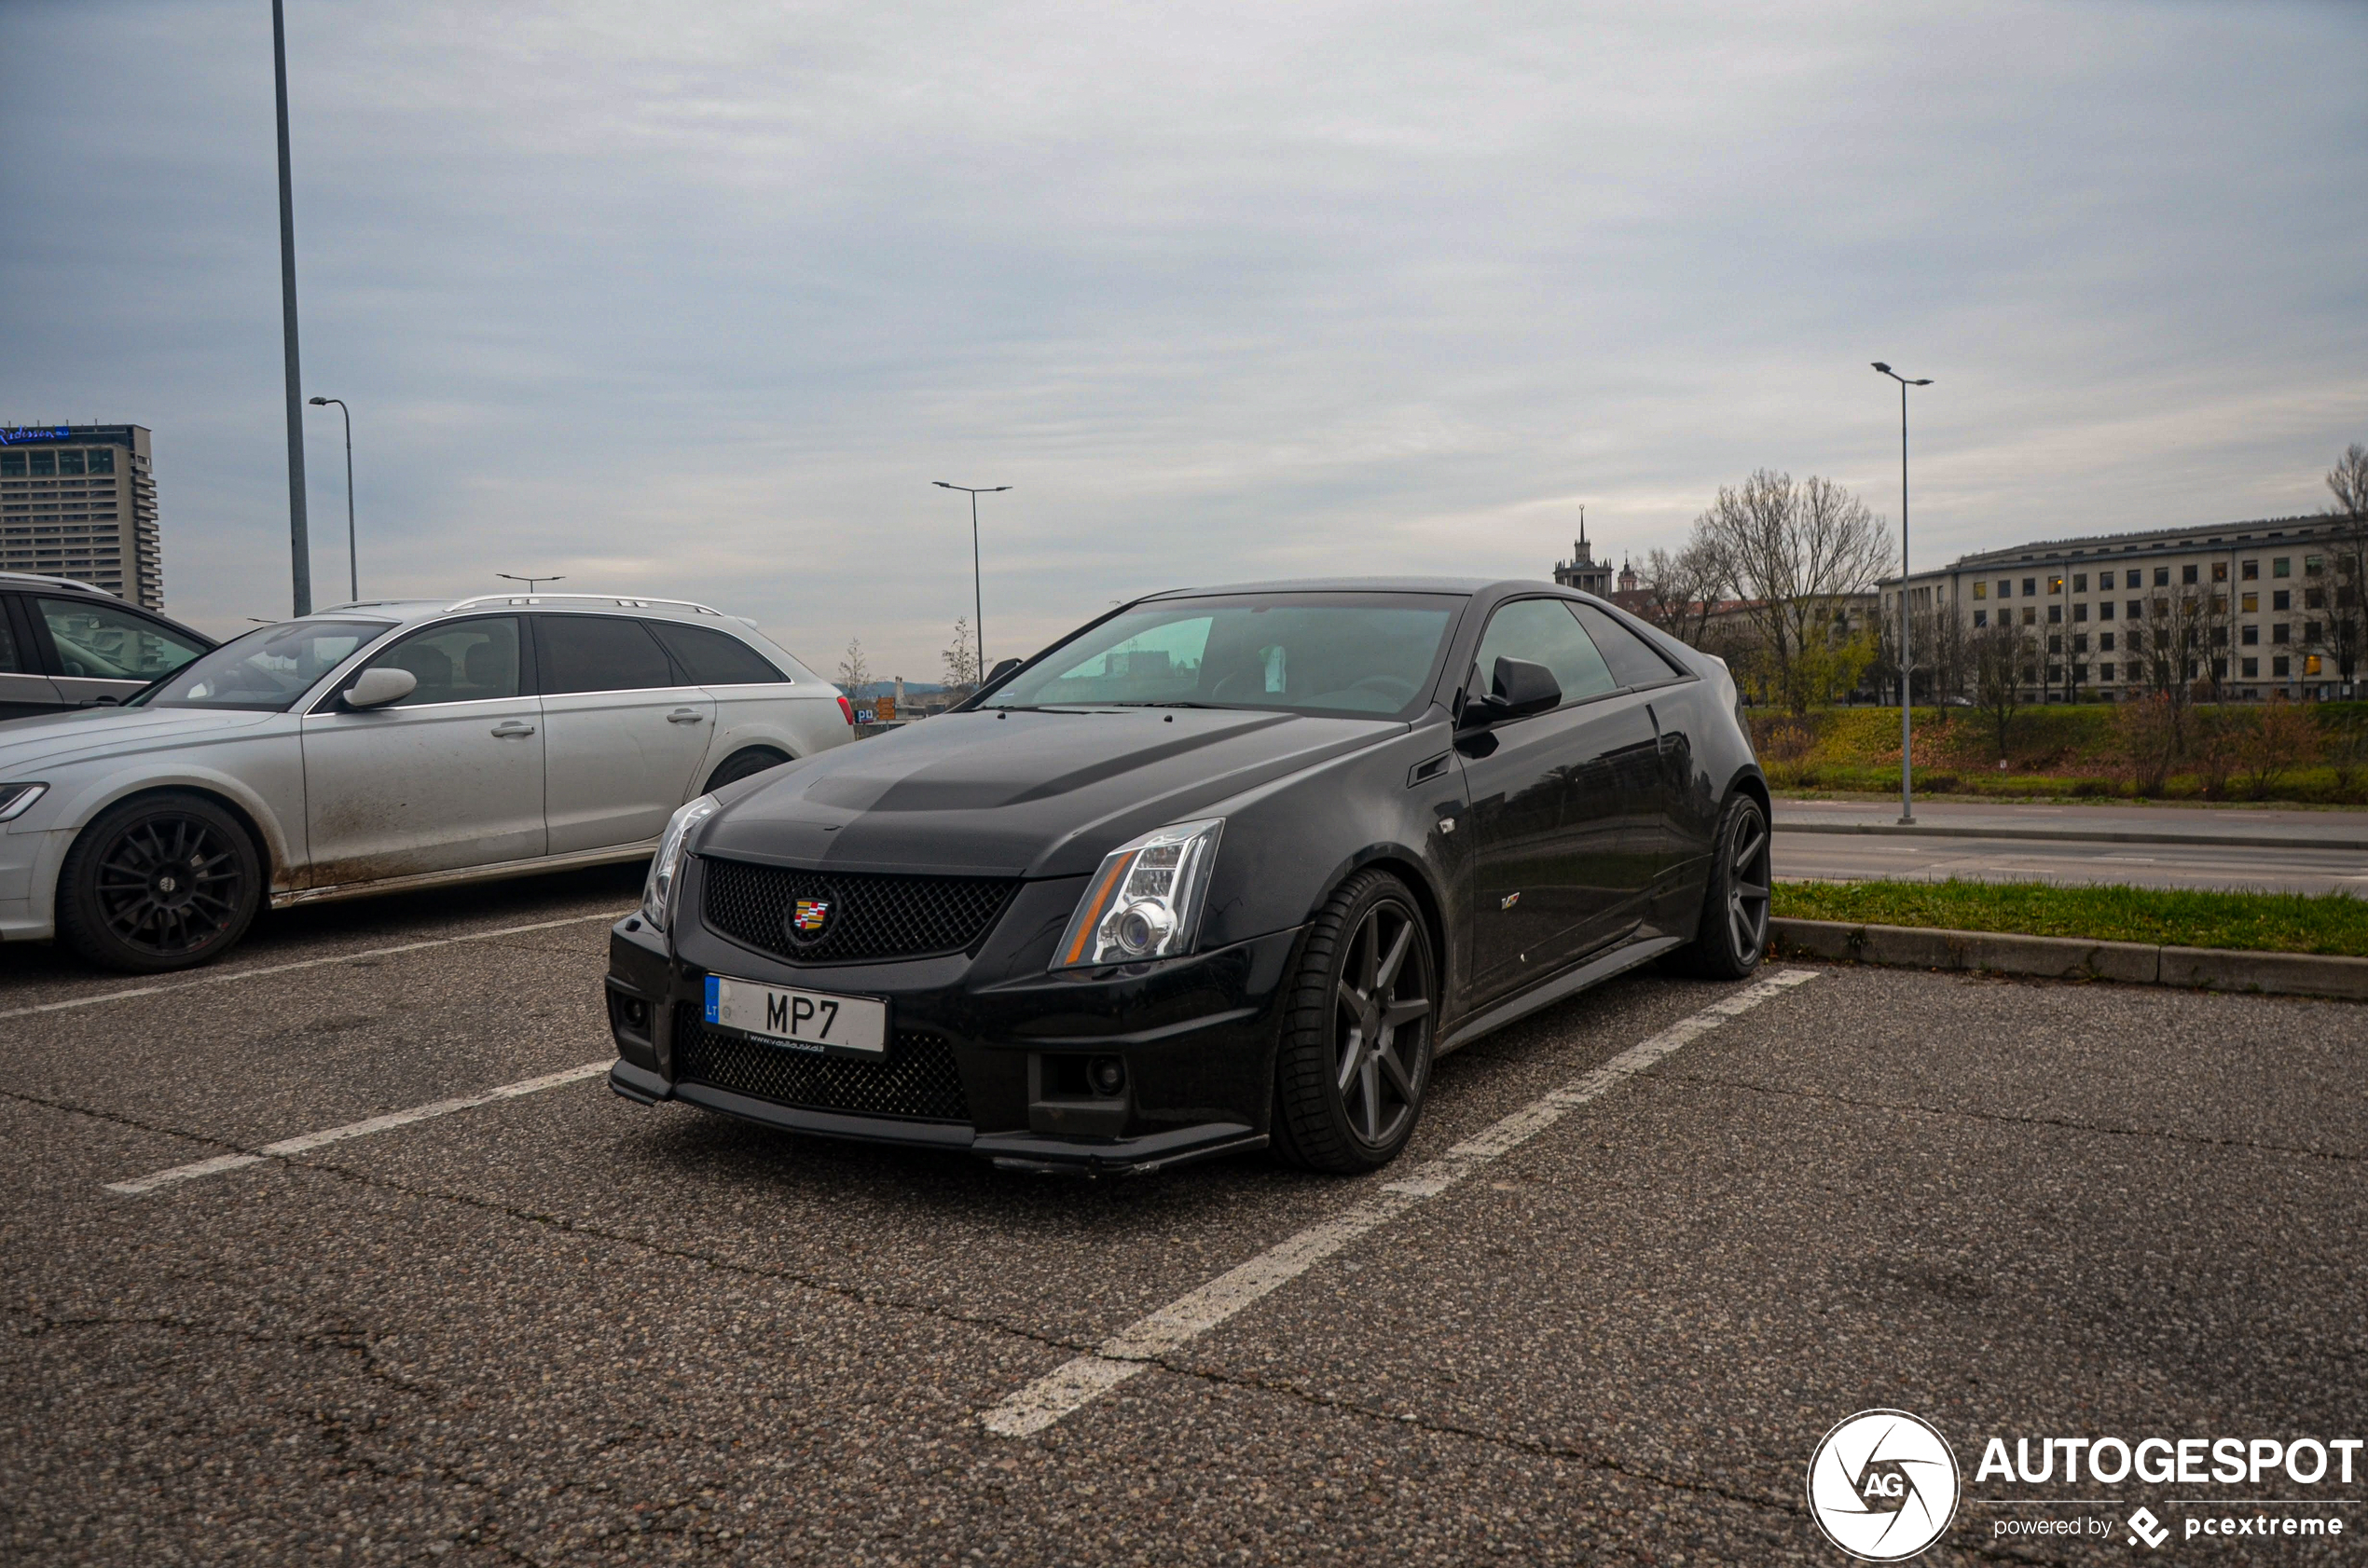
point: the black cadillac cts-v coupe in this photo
(1228, 868)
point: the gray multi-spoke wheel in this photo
(1732, 937)
(1356, 1053)
(160, 881)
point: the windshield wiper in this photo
(1178, 702)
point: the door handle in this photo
(684, 716)
(511, 728)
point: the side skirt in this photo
(1594, 971)
(612, 854)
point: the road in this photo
(559, 1328)
(2288, 851)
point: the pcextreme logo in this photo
(1883, 1485)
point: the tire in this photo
(159, 882)
(742, 765)
(1355, 1058)
(1732, 935)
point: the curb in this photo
(2075, 836)
(2133, 963)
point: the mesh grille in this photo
(917, 1082)
(871, 917)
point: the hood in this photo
(1025, 795)
(54, 740)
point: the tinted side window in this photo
(1542, 631)
(10, 662)
(714, 659)
(1633, 661)
(599, 654)
(468, 661)
(101, 643)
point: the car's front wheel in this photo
(1355, 1054)
(1732, 935)
(161, 882)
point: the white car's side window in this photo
(599, 654)
(715, 658)
(465, 661)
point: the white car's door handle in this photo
(511, 728)
(684, 716)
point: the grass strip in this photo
(2334, 923)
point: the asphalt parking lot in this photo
(560, 1327)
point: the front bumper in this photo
(1004, 1046)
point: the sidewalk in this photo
(2265, 828)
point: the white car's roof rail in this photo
(622, 600)
(59, 582)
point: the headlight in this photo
(17, 798)
(657, 895)
(1144, 902)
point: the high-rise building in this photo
(80, 501)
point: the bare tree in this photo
(961, 659)
(2176, 658)
(2347, 637)
(2348, 481)
(855, 672)
(1938, 646)
(2001, 655)
(1794, 553)
(1682, 591)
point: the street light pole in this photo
(978, 594)
(1907, 668)
(352, 554)
(530, 581)
(299, 540)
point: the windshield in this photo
(1301, 653)
(264, 670)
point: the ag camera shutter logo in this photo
(1883, 1485)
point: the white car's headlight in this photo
(1144, 902)
(665, 867)
(16, 799)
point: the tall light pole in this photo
(353, 552)
(530, 581)
(978, 596)
(299, 540)
(1907, 669)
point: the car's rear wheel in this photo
(1355, 1054)
(743, 765)
(161, 882)
(1732, 937)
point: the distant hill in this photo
(873, 689)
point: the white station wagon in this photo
(380, 747)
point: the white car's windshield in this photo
(1303, 653)
(264, 670)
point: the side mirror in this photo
(378, 687)
(1518, 688)
(1002, 668)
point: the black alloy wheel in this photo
(1355, 1054)
(162, 882)
(1732, 937)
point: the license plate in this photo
(809, 1021)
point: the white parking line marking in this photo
(1075, 1383)
(393, 1119)
(302, 964)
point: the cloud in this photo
(698, 301)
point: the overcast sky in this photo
(697, 300)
